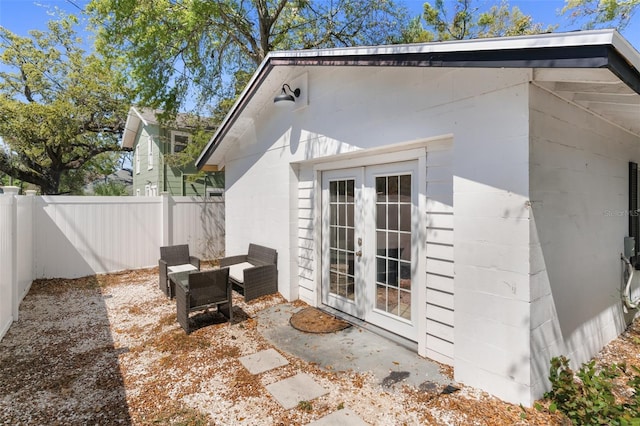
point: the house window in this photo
(138, 159)
(179, 141)
(147, 190)
(150, 153)
(215, 193)
(138, 192)
(153, 191)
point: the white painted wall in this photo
(358, 108)
(579, 196)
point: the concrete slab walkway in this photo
(344, 417)
(293, 390)
(290, 392)
(263, 361)
(351, 349)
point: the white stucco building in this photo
(471, 197)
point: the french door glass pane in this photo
(341, 230)
(393, 245)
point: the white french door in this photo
(369, 248)
(342, 273)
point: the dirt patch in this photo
(312, 320)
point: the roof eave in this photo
(583, 49)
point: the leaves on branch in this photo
(190, 52)
(59, 106)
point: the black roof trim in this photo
(624, 70)
(549, 57)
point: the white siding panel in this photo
(440, 350)
(440, 220)
(439, 282)
(306, 236)
(440, 236)
(439, 314)
(306, 244)
(440, 267)
(440, 205)
(305, 233)
(305, 203)
(440, 330)
(440, 251)
(305, 223)
(305, 213)
(306, 274)
(440, 298)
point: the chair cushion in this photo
(237, 271)
(181, 268)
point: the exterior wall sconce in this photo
(285, 98)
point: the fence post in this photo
(31, 193)
(8, 259)
(165, 218)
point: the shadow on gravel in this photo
(58, 363)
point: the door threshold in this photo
(397, 339)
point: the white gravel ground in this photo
(108, 350)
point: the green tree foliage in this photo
(616, 13)
(59, 108)
(110, 188)
(464, 20)
(175, 49)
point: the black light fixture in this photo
(285, 98)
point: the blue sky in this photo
(21, 15)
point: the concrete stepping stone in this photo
(344, 417)
(301, 387)
(263, 361)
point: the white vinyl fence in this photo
(70, 237)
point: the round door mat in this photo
(312, 320)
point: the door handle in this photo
(359, 253)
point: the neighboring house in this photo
(150, 143)
(469, 196)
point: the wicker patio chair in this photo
(255, 272)
(174, 259)
(204, 290)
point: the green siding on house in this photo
(146, 172)
(174, 180)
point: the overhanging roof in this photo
(134, 119)
(598, 70)
(146, 116)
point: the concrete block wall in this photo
(579, 198)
